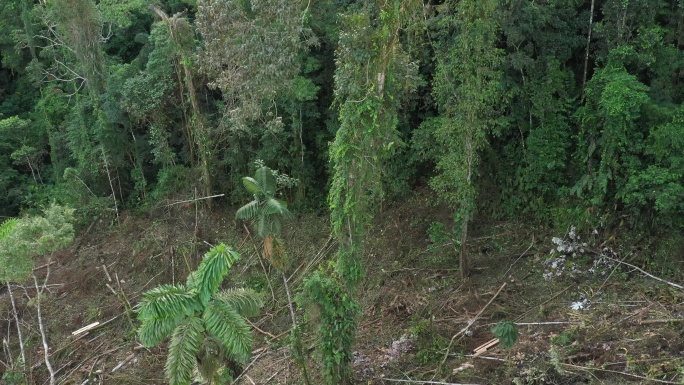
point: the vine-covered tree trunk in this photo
(466, 89)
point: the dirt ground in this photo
(595, 320)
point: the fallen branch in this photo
(618, 372)
(122, 363)
(85, 329)
(249, 366)
(642, 271)
(470, 323)
(261, 331)
(660, 321)
(195, 200)
(423, 382)
(486, 346)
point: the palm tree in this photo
(207, 326)
(266, 212)
(267, 215)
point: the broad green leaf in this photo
(266, 180)
(251, 185)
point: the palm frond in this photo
(7, 226)
(246, 302)
(167, 301)
(153, 331)
(251, 185)
(276, 206)
(248, 211)
(185, 344)
(213, 269)
(224, 323)
(266, 180)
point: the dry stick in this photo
(423, 382)
(259, 330)
(521, 255)
(544, 303)
(645, 273)
(127, 305)
(116, 203)
(465, 329)
(249, 366)
(16, 320)
(274, 374)
(586, 55)
(195, 200)
(46, 349)
(618, 372)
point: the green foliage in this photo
(266, 212)
(337, 309)
(367, 135)
(197, 314)
(24, 238)
(506, 332)
(466, 87)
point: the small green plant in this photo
(326, 290)
(427, 341)
(207, 327)
(563, 339)
(506, 332)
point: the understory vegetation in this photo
(460, 185)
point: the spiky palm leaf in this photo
(167, 301)
(153, 331)
(224, 323)
(213, 269)
(246, 302)
(185, 344)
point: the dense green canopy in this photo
(558, 111)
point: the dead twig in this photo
(194, 200)
(249, 366)
(618, 372)
(470, 323)
(642, 271)
(260, 331)
(423, 382)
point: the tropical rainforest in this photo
(565, 115)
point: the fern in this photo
(183, 350)
(7, 226)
